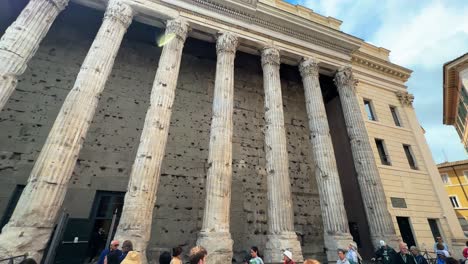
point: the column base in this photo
(16, 241)
(335, 242)
(218, 244)
(277, 243)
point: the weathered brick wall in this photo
(110, 146)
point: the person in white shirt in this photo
(342, 257)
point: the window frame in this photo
(455, 198)
(410, 154)
(395, 115)
(371, 114)
(385, 160)
(448, 178)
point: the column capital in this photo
(405, 98)
(308, 66)
(227, 42)
(120, 11)
(60, 4)
(344, 76)
(270, 55)
(179, 27)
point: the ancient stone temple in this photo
(224, 123)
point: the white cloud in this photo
(429, 37)
(443, 149)
(426, 33)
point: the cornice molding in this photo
(330, 39)
(451, 87)
(381, 66)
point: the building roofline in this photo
(452, 164)
(450, 87)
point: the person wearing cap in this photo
(287, 257)
(113, 246)
(385, 253)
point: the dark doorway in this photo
(82, 240)
(105, 204)
(354, 230)
(405, 231)
(11, 205)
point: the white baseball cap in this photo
(288, 254)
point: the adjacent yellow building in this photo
(455, 178)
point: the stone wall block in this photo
(41, 201)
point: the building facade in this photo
(455, 178)
(222, 123)
(456, 96)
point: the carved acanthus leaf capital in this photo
(119, 10)
(270, 56)
(60, 4)
(308, 66)
(179, 27)
(344, 77)
(227, 42)
(405, 98)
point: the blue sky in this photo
(422, 36)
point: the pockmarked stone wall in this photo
(109, 150)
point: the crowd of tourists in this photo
(198, 255)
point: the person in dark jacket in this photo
(403, 257)
(417, 255)
(385, 253)
(165, 258)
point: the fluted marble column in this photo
(215, 236)
(137, 213)
(21, 41)
(335, 221)
(372, 193)
(281, 233)
(34, 217)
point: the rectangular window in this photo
(396, 119)
(465, 173)
(454, 201)
(434, 228)
(410, 157)
(445, 178)
(369, 110)
(384, 158)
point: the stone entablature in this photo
(260, 22)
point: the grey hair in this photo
(414, 248)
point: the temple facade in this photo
(223, 123)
